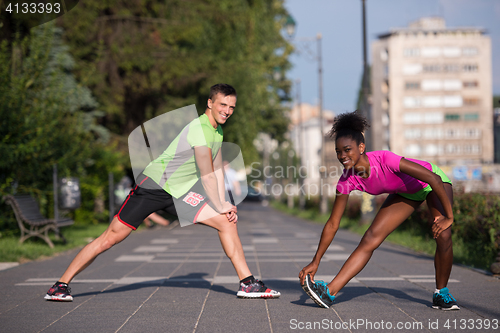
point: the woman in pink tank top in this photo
(408, 183)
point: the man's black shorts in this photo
(141, 202)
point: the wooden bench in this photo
(30, 220)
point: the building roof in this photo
(429, 25)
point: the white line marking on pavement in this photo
(306, 235)
(136, 258)
(182, 232)
(248, 248)
(151, 249)
(331, 247)
(261, 231)
(433, 280)
(417, 276)
(165, 241)
(264, 240)
(339, 256)
(218, 279)
(49, 282)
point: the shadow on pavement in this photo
(350, 293)
(192, 280)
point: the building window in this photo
(412, 69)
(451, 117)
(432, 68)
(471, 84)
(451, 68)
(451, 52)
(452, 85)
(469, 51)
(431, 150)
(432, 101)
(431, 52)
(451, 101)
(452, 149)
(412, 150)
(412, 118)
(471, 116)
(470, 68)
(411, 52)
(431, 85)
(384, 87)
(472, 149)
(411, 102)
(433, 133)
(412, 85)
(412, 133)
(452, 133)
(384, 55)
(471, 101)
(433, 118)
(385, 104)
(472, 133)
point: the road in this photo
(180, 280)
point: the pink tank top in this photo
(385, 176)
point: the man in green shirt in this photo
(186, 180)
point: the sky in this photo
(340, 24)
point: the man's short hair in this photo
(221, 88)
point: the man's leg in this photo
(229, 238)
(114, 234)
(231, 243)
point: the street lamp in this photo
(290, 28)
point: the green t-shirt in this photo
(175, 170)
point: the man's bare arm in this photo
(203, 157)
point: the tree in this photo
(142, 59)
(47, 116)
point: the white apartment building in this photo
(432, 93)
(305, 134)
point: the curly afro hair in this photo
(351, 124)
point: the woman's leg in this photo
(393, 212)
(158, 219)
(443, 259)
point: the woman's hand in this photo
(441, 223)
(309, 269)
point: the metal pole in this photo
(322, 170)
(54, 184)
(367, 209)
(366, 86)
(111, 196)
(302, 202)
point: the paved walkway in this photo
(180, 281)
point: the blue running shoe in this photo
(318, 291)
(444, 301)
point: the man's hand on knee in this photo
(232, 217)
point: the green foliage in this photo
(11, 250)
(47, 118)
(496, 101)
(142, 59)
